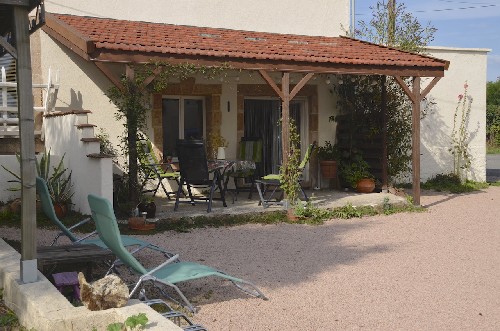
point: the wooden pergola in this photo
(105, 41)
(15, 30)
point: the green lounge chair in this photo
(152, 168)
(273, 181)
(48, 210)
(167, 273)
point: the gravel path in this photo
(437, 270)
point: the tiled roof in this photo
(131, 36)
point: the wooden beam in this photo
(271, 83)
(109, 74)
(270, 65)
(415, 164)
(383, 101)
(74, 37)
(405, 88)
(285, 117)
(29, 272)
(430, 86)
(149, 79)
(300, 85)
(8, 47)
(83, 54)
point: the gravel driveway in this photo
(437, 270)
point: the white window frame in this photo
(181, 99)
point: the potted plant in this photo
(148, 206)
(216, 145)
(328, 155)
(355, 172)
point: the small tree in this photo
(391, 25)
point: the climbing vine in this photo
(290, 171)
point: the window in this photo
(183, 118)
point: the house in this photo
(267, 44)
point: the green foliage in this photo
(328, 152)
(58, 184)
(361, 95)
(106, 147)
(355, 170)
(493, 113)
(134, 322)
(346, 212)
(460, 136)
(451, 183)
(395, 28)
(290, 171)
(311, 214)
(8, 318)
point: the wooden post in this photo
(415, 164)
(385, 176)
(285, 116)
(29, 272)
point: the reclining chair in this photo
(168, 273)
(48, 210)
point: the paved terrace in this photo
(321, 198)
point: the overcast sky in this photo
(460, 23)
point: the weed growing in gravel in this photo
(8, 319)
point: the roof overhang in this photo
(106, 40)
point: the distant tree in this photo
(493, 112)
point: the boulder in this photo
(105, 293)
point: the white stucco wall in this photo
(89, 175)
(466, 65)
(315, 17)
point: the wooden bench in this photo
(68, 254)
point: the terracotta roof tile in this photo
(121, 35)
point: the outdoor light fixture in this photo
(228, 106)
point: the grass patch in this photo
(492, 149)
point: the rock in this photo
(15, 206)
(105, 293)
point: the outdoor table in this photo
(77, 253)
(229, 166)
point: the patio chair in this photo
(168, 273)
(272, 182)
(153, 169)
(250, 150)
(193, 165)
(48, 210)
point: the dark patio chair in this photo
(195, 173)
(250, 149)
(153, 169)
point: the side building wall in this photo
(466, 66)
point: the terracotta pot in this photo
(290, 213)
(328, 169)
(365, 185)
(61, 209)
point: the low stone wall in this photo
(40, 306)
